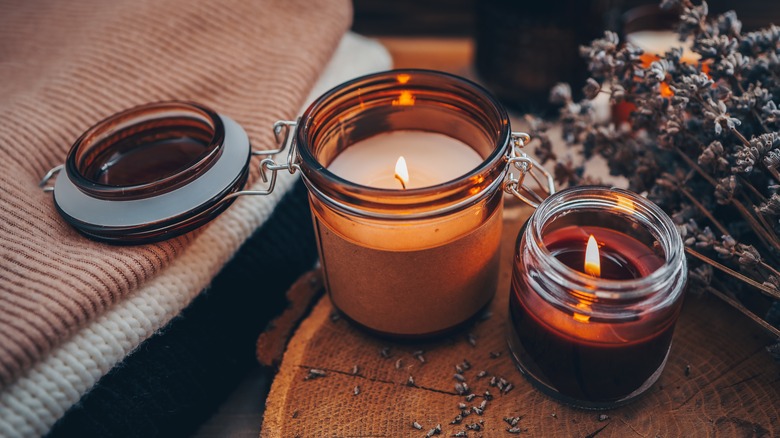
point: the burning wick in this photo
(401, 172)
(592, 261)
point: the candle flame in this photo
(592, 259)
(401, 172)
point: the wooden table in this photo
(719, 380)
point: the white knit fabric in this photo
(31, 405)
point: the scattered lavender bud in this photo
(474, 426)
(488, 395)
(514, 430)
(417, 425)
(470, 397)
(462, 405)
(431, 433)
(472, 339)
(512, 421)
(460, 434)
(438, 428)
(355, 370)
(485, 315)
(356, 391)
(477, 411)
(385, 352)
(457, 419)
(508, 388)
(466, 364)
(458, 369)
(481, 374)
(465, 412)
(399, 363)
(315, 373)
(603, 417)
(465, 388)
(495, 354)
(554, 415)
(295, 414)
(420, 357)
(483, 405)
(493, 381)
(459, 377)
(459, 389)
(410, 381)
(687, 370)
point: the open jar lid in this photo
(152, 172)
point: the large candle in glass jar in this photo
(417, 255)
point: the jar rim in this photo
(126, 120)
(361, 199)
(620, 201)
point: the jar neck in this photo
(602, 298)
(409, 100)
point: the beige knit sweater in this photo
(65, 65)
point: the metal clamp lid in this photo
(526, 166)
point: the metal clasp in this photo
(44, 182)
(284, 134)
(526, 166)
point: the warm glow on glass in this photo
(401, 172)
(592, 262)
(406, 98)
(403, 78)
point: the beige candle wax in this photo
(407, 275)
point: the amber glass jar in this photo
(152, 172)
(414, 262)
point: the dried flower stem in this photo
(735, 81)
(744, 310)
(766, 290)
(704, 211)
(745, 141)
(768, 237)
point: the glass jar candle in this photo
(416, 257)
(597, 287)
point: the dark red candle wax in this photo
(577, 357)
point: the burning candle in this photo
(596, 291)
(376, 161)
(404, 170)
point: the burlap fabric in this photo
(718, 381)
(66, 65)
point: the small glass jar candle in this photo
(597, 287)
(417, 255)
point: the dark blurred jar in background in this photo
(524, 48)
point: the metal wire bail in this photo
(284, 134)
(526, 166)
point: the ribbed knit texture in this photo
(180, 375)
(66, 65)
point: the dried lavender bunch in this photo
(703, 142)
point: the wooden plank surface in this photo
(719, 381)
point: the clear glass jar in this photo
(595, 340)
(411, 262)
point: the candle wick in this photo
(401, 181)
